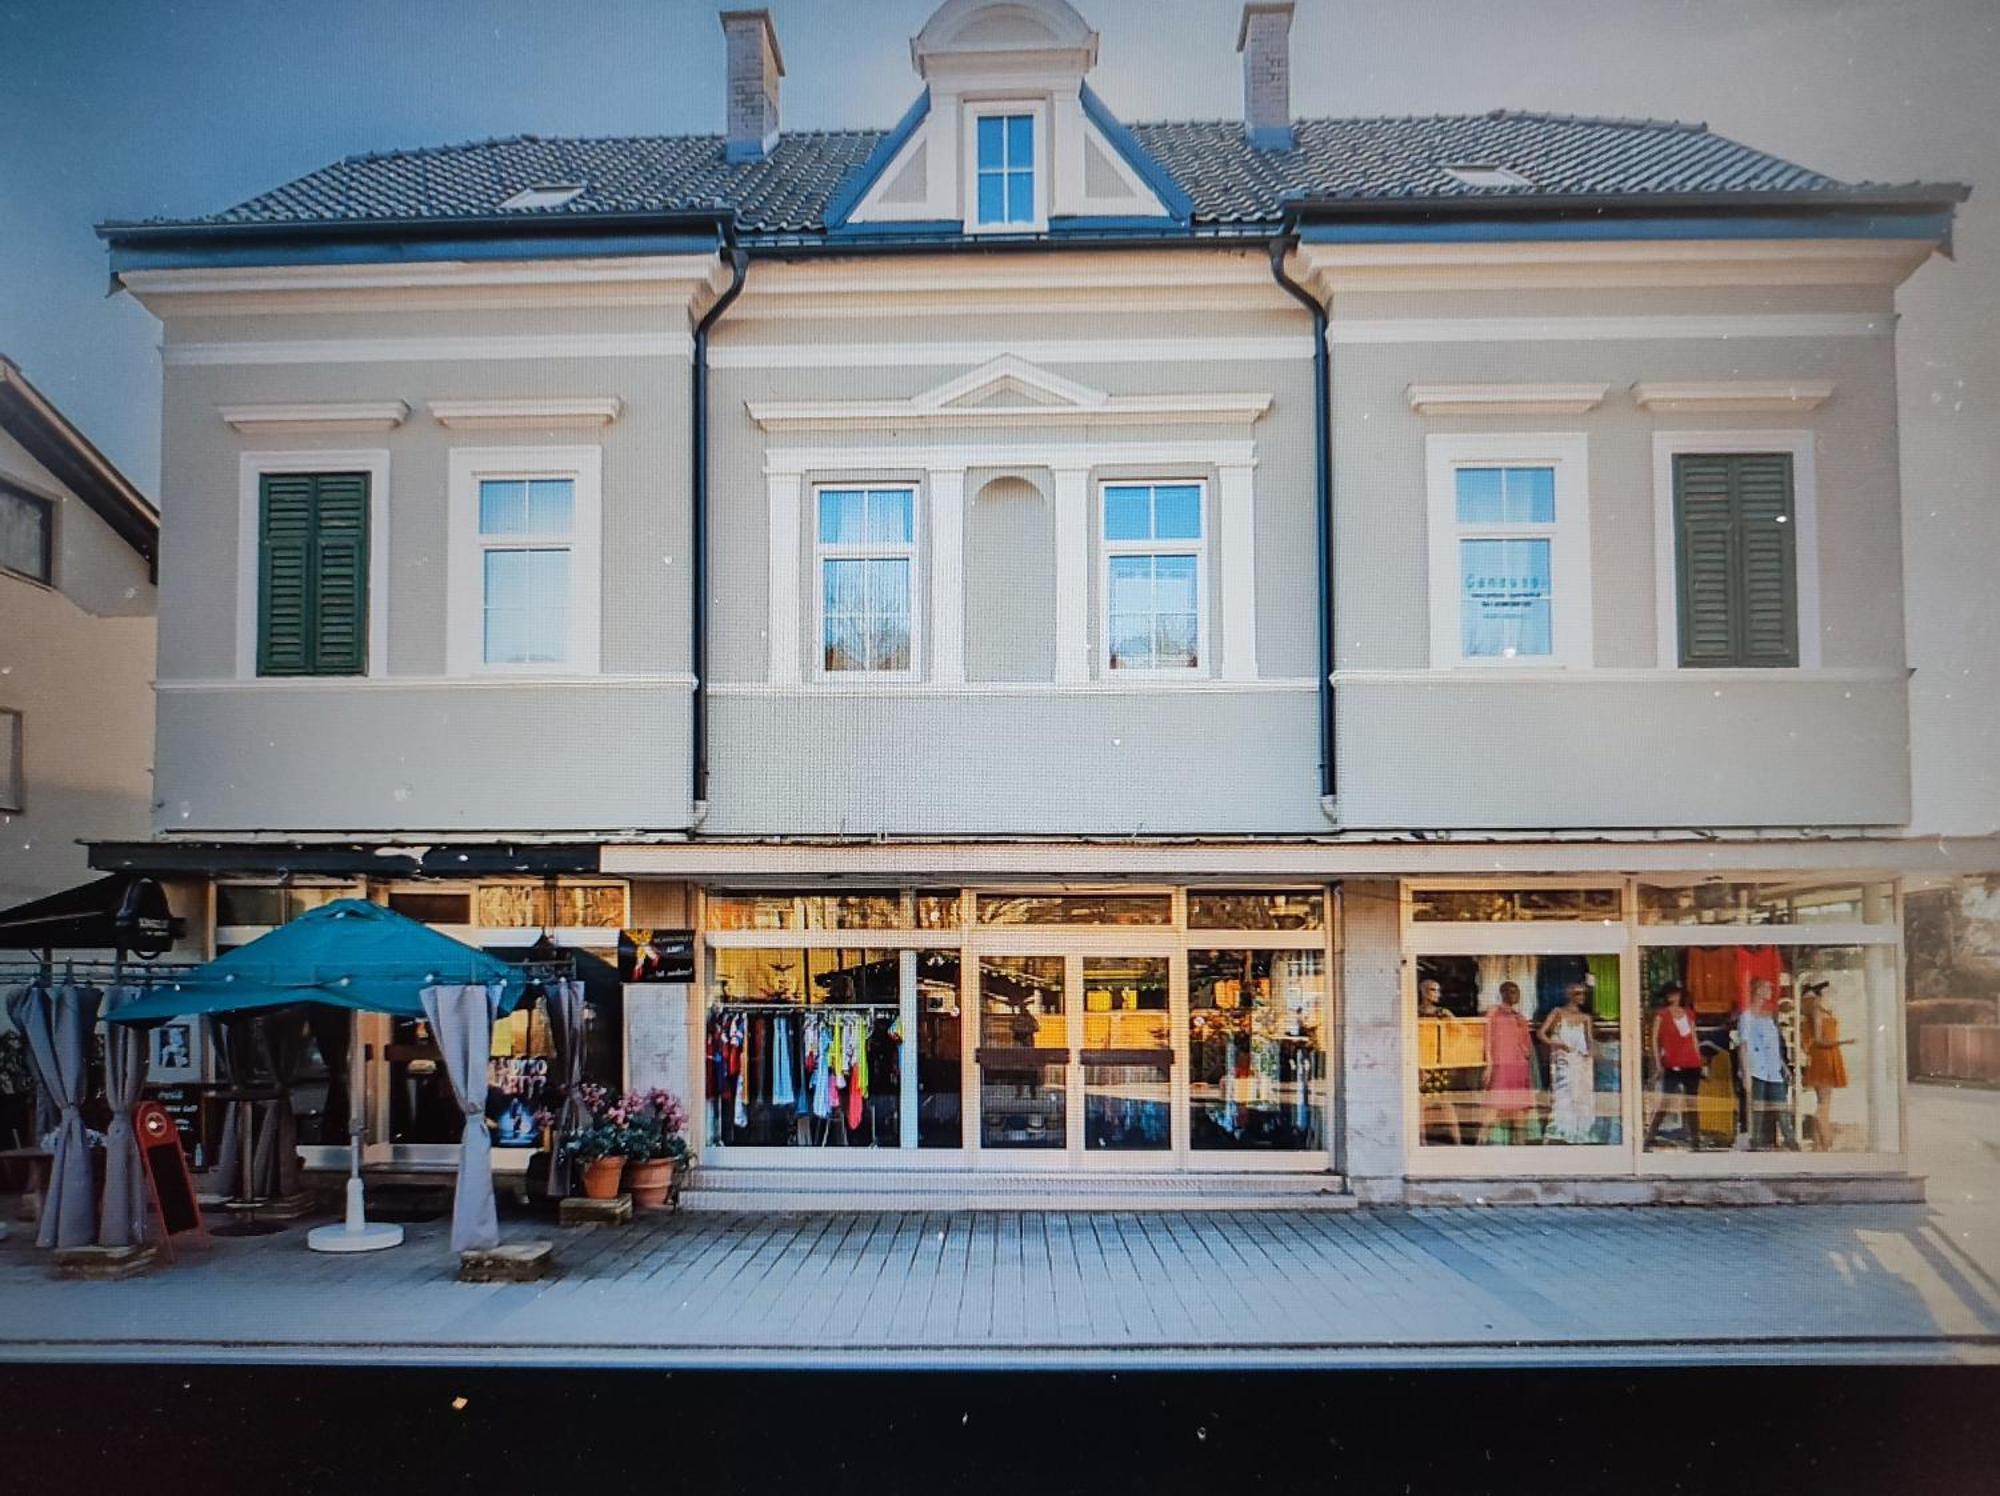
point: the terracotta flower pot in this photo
(601, 1176)
(650, 1182)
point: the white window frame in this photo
(1038, 111)
(1805, 540)
(1108, 550)
(909, 551)
(14, 739)
(1568, 453)
(251, 470)
(465, 653)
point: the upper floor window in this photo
(1154, 585)
(27, 534)
(525, 560)
(865, 553)
(1735, 559)
(1510, 580)
(1005, 168)
(13, 793)
(312, 573)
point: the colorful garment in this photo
(1574, 1115)
(1510, 1051)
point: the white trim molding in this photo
(1288, 347)
(465, 582)
(1719, 328)
(799, 461)
(1805, 509)
(1698, 396)
(251, 467)
(1040, 399)
(331, 416)
(1568, 453)
(1506, 399)
(665, 680)
(429, 350)
(528, 413)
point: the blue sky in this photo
(136, 108)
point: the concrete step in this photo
(780, 1189)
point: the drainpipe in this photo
(1322, 512)
(739, 268)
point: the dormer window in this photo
(1485, 174)
(1005, 169)
(543, 195)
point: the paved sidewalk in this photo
(1456, 1287)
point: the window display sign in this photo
(656, 955)
(174, 1053)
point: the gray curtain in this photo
(461, 1020)
(123, 1222)
(58, 1035)
(566, 1020)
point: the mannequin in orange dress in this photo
(1826, 1066)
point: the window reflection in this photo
(1127, 1053)
(1023, 1052)
(1256, 1072)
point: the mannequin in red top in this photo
(1676, 1055)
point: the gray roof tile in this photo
(1228, 181)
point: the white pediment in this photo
(1008, 391)
(1008, 381)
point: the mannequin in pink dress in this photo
(1509, 1081)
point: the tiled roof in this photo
(1228, 181)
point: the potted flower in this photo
(655, 1145)
(601, 1145)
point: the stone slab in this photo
(510, 1262)
(577, 1211)
(103, 1264)
(1773, 1189)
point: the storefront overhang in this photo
(1318, 860)
(346, 859)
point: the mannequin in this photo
(1508, 1081)
(1675, 1052)
(1567, 1033)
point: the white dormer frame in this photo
(968, 174)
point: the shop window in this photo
(1717, 902)
(805, 1048)
(1154, 586)
(792, 911)
(1518, 1050)
(1076, 909)
(1256, 1064)
(1128, 1054)
(1764, 1047)
(536, 906)
(1023, 1053)
(1505, 905)
(1509, 550)
(940, 1077)
(1219, 909)
(939, 910)
(263, 905)
(865, 553)
(433, 906)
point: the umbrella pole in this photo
(355, 1233)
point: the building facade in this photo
(77, 549)
(1252, 653)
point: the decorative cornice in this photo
(326, 416)
(529, 413)
(1697, 396)
(1506, 399)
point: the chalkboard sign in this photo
(185, 1105)
(167, 1178)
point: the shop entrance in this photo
(1079, 1055)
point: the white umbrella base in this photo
(370, 1236)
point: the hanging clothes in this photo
(1603, 979)
(1493, 970)
(783, 1093)
(1553, 978)
(1757, 963)
(1711, 978)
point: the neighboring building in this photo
(77, 549)
(946, 569)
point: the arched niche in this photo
(1010, 578)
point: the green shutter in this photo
(312, 608)
(1736, 559)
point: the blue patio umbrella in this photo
(350, 954)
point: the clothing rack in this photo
(777, 1007)
(94, 971)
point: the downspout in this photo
(1322, 515)
(739, 268)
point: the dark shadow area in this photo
(309, 1429)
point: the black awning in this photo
(119, 913)
(346, 859)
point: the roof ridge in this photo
(1631, 122)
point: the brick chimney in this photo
(755, 66)
(1265, 40)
